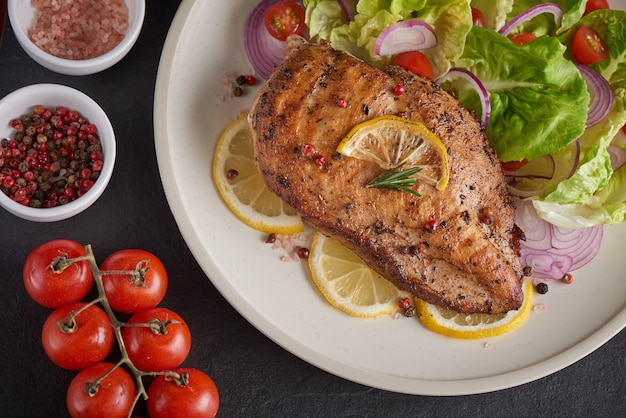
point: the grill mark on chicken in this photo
(463, 264)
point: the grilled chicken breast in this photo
(457, 247)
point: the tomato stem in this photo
(157, 326)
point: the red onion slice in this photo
(405, 36)
(600, 92)
(348, 7)
(477, 86)
(529, 14)
(618, 156)
(553, 251)
(263, 50)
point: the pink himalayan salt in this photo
(78, 29)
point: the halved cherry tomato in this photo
(113, 397)
(593, 5)
(76, 344)
(588, 47)
(478, 18)
(283, 19)
(48, 284)
(197, 398)
(416, 62)
(162, 348)
(514, 165)
(522, 38)
(129, 294)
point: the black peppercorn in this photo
(542, 288)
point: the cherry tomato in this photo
(78, 343)
(198, 398)
(514, 165)
(522, 38)
(593, 5)
(478, 18)
(416, 62)
(153, 349)
(128, 294)
(51, 287)
(588, 47)
(114, 394)
(283, 19)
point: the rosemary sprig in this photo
(396, 179)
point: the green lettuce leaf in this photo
(451, 20)
(538, 98)
(594, 194)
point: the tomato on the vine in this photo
(199, 397)
(110, 397)
(79, 342)
(128, 294)
(284, 18)
(50, 286)
(588, 47)
(593, 5)
(478, 18)
(416, 62)
(162, 346)
(522, 38)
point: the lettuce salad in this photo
(539, 99)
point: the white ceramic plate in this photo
(205, 43)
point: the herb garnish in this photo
(396, 179)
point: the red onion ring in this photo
(618, 156)
(600, 92)
(348, 7)
(477, 85)
(553, 251)
(263, 50)
(404, 36)
(534, 11)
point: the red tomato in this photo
(593, 5)
(153, 349)
(198, 398)
(76, 344)
(129, 294)
(478, 18)
(114, 394)
(47, 284)
(283, 19)
(522, 38)
(514, 165)
(416, 62)
(588, 47)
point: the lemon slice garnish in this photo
(348, 283)
(242, 188)
(473, 326)
(391, 141)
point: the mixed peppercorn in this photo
(53, 157)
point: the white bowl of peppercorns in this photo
(57, 152)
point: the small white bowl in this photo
(21, 15)
(21, 102)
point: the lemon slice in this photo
(391, 141)
(473, 326)
(242, 188)
(348, 283)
